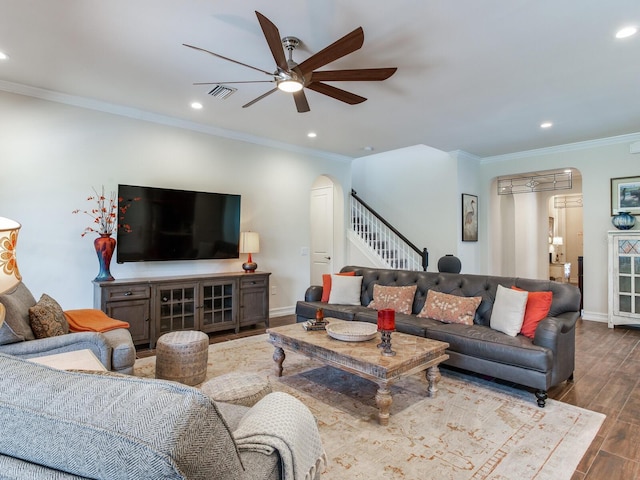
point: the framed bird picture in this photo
(469, 218)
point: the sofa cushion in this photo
(508, 310)
(404, 323)
(121, 427)
(345, 290)
(326, 284)
(482, 342)
(537, 309)
(399, 299)
(450, 308)
(17, 303)
(47, 319)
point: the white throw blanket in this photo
(282, 422)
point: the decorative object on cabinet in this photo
(623, 221)
(449, 263)
(9, 273)
(208, 302)
(249, 243)
(624, 278)
(555, 243)
(469, 218)
(625, 195)
(105, 221)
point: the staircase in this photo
(382, 240)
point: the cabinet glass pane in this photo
(624, 284)
(636, 265)
(624, 264)
(637, 304)
(189, 321)
(625, 303)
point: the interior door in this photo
(321, 233)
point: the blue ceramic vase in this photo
(623, 221)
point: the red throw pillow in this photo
(326, 284)
(538, 306)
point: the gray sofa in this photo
(539, 363)
(113, 348)
(64, 425)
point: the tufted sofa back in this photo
(566, 298)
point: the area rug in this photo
(472, 430)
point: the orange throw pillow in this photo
(538, 306)
(326, 284)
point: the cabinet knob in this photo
(128, 294)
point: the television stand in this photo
(154, 306)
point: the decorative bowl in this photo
(352, 331)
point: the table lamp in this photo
(9, 273)
(249, 243)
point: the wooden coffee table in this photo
(413, 354)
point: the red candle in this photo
(387, 319)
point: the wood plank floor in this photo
(606, 379)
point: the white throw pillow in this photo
(345, 290)
(508, 310)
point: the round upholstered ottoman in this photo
(182, 356)
(237, 388)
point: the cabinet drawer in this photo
(127, 293)
(251, 281)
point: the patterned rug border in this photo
(476, 429)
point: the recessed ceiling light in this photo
(196, 105)
(626, 32)
(4, 56)
(368, 149)
(546, 125)
(312, 134)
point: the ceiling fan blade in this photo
(338, 49)
(229, 59)
(259, 98)
(301, 101)
(224, 83)
(362, 74)
(337, 93)
(274, 41)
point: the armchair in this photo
(113, 348)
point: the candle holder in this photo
(386, 325)
(385, 345)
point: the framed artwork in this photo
(469, 218)
(625, 195)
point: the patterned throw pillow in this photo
(399, 299)
(47, 318)
(450, 308)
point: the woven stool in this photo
(182, 356)
(237, 388)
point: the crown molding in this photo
(600, 142)
(137, 114)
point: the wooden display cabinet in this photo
(210, 303)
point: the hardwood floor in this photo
(606, 379)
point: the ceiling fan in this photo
(294, 78)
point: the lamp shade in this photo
(9, 273)
(557, 240)
(249, 242)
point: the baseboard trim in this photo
(595, 316)
(282, 311)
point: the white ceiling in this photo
(478, 76)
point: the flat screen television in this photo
(157, 224)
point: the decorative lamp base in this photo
(249, 267)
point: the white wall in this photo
(52, 154)
(416, 190)
(598, 161)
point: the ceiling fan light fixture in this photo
(627, 31)
(289, 86)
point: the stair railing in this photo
(383, 239)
